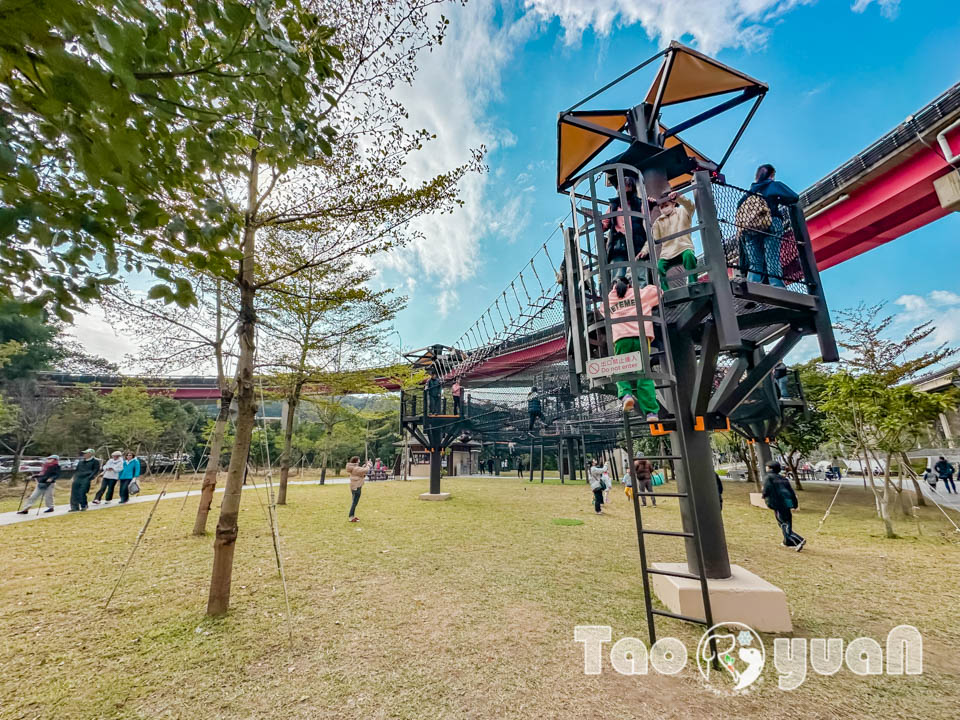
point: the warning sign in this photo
(615, 365)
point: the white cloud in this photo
(97, 337)
(944, 297)
(888, 8)
(940, 307)
(710, 24)
(454, 85)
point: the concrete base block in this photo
(435, 496)
(756, 499)
(743, 597)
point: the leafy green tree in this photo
(76, 423)
(326, 319)
(879, 421)
(128, 421)
(118, 119)
(36, 347)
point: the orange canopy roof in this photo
(692, 76)
(689, 75)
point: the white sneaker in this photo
(628, 402)
(653, 417)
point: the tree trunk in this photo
(883, 500)
(15, 468)
(292, 403)
(905, 465)
(213, 462)
(323, 469)
(226, 538)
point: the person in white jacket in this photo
(676, 216)
(111, 472)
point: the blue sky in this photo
(840, 74)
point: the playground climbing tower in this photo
(719, 327)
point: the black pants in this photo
(785, 521)
(949, 484)
(434, 404)
(356, 499)
(533, 418)
(107, 484)
(125, 489)
(646, 485)
(78, 492)
(597, 499)
(456, 405)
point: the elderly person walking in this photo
(46, 482)
(87, 469)
(358, 474)
(111, 473)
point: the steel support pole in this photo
(435, 468)
(701, 486)
(541, 461)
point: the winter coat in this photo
(943, 468)
(778, 494)
(533, 403)
(626, 307)
(87, 469)
(775, 193)
(131, 469)
(49, 473)
(433, 387)
(666, 225)
(617, 249)
(112, 468)
(358, 474)
(643, 469)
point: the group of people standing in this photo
(600, 482)
(122, 468)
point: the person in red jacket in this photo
(46, 482)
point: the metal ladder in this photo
(645, 569)
(667, 382)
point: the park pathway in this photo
(11, 518)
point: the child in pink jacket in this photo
(626, 339)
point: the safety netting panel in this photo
(759, 239)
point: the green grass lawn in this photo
(458, 609)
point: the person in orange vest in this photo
(626, 339)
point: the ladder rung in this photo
(671, 573)
(677, 616)
(656, 494)
(671, 533)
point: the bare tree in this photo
(175, 339)
(349, 195)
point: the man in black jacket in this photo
(945, 471)
(780, 497)
(46, 482)
(87, 470)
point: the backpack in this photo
(753, 215)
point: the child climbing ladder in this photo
(626, 339)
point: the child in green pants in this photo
(626, 339)
(676, 215)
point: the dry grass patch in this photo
(463, 609)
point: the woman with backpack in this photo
(780, 497)
(761, 224)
